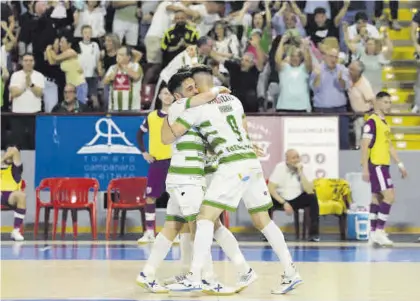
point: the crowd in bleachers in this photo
(286, 56)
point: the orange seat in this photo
(7, 208)
(128, 195)
(75, 194)
(50, 184)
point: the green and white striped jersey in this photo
(210, 166)
(187, 163)
(220, 122)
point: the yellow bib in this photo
(156, 148)
(7, 182)
(379, 152)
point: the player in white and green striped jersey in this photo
(239, 176)
(186, 184)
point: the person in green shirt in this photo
(262, 21)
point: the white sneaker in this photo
(415, 109)
(217, 289)
(381, 238)
(151, 285)
(246, 280)
(16, 235)
(175, 279)
(186, 285)
(288, 284)
(147, 238)
(371, 241)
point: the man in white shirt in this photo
(291, 189)
(361, 20)
(206, 14)
(26, 87)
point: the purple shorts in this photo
(5, 198)
(156, 178)
(380, 178)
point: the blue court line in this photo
(251, 253)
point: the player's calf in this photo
(17, 199)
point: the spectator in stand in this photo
(361, 98)
(148, 9)
(27, 22)
(126, 24)
(205, 15)
(26, 89)
(177, 38)
(220, 78)
(93, 15)
(379, 16)
(261, 23)
(89, 59)
(70, 103)
(321, 27)
(55, 81)
(125, 80)
(4, 73)
(7, 20)
(360, 21)
(415, 38)
(289, 17)
(329, 84)
(374, 56)
(69, 63)
(225, 40)
(244, 79)
(294, 73)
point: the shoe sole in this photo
(212, 293)
(144, 243)
(146, 287)
(292, 287)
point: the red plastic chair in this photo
(7, 208)
(73, 194)
(50, 184)
(128, 195)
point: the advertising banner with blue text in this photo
(88, 146)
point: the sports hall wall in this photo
(405, 215)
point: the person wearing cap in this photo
(319, 27)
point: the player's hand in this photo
(299, 167)
(288, 209)
(366, 176)
(149, 158)
(258, 150)
(224, 90)
(403, 172)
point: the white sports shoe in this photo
(287, 284)
(175, 279)
(186, 285)
(216, 288)
(147, 238)
(371, 241)
(16, 235)
(246, 280)
(151, 285)
(381, 238)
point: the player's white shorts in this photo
(184, 202)
(229, 185)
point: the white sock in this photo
(230, 246)
(160, 249)
(208, 270)
(276, 239)
(202, 246)
(186, 247)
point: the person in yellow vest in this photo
(377, 151)
(159, 158)
(11, 195)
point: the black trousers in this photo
(393, 6)
(301, 202)
(23, 131)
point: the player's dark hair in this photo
(176, 81)
(382, 94)
(201, 69)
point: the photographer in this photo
(177, 38)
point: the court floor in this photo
(106, 271)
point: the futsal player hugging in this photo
(159, 158)
(377, 151)
(11, 195)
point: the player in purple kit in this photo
(377, 151)
(159, 158)
(11, 194)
